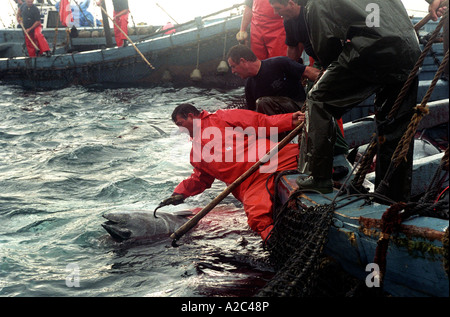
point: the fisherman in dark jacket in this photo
(367, 47)
(30, 18)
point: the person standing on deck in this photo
(266, 29)
(30, 17)
(225, 144)
(120, 16)
(297, 41)
(367, 47)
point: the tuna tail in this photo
(117, 233)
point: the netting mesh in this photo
(301, 232)
(295, 247)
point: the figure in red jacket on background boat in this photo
(30, 18)
(121, 12)
(266, 29)
(225, 144)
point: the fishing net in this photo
(295, 247)
(301, 232)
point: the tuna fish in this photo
(137, 225)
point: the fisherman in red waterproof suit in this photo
(121, 13)
(30, 17)
(266, 29)
(225, 144)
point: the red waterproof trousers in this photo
(38, 38)
(267, 31)
(225, 145)
(122, 22)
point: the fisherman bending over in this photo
(225, 144)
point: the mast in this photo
(106, 27)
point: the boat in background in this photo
(191, 55)
(80, 36)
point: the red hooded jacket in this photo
(226, 144)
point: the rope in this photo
(390, 222)
(225, 45)
(395, 215)
(366, 161)
(198, 51)
(401, 151)
(416, 68)
(446, 249)
(429, 205)
(437, 182)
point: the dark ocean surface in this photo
(68, 156)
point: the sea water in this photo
(68, 156)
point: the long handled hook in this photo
(159, 206)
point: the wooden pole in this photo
(128, 38)
(167, 13)
(106, 27)
(422, 22)
(194, 220)
(23, 28)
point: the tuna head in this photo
(130, 225)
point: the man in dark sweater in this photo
(274, 85)
(273, 77)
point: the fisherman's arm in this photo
(300, 71)
(295, 52)
(436, 8)
(311, 73)
(195, 184)
(325, 35)
(246, 19)
(35, 25)
(246, 118)
(118, 15)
